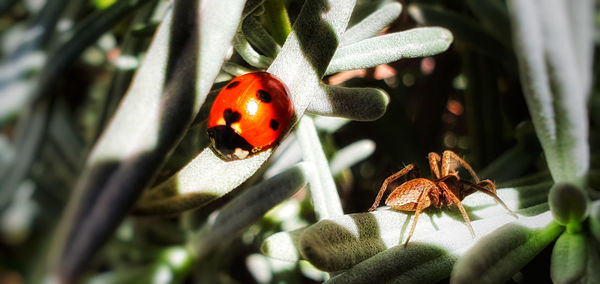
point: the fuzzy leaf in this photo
(152, 117)
(11, 99)
(246, 51)
(372, 24)
(494, 17)
(277, 19)
(581, 20)
(254, 202)
(330, 124)
(553, 92)
(25, 57)
(259, 37)
(362, 104)
(568, 91)
(592, 275)
(464, 30)
(498, 256)
(283, 245)
(170, 266)
(351, 155)
(286, 155)
(199, 182)
(343, 159)
(341, 242)
(510, 164)
(323, 192)
(417, 263)
(387, 48)
(595, 219)
(300, 64)
(569, 258)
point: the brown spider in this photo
(446, 188)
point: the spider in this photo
(445, 188)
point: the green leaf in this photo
(569, 258)
(33, 123)
(170, 266)
(277, 19)
(323, 192)
(198, 183)
(351, 155)
(466, 31)
(343, 159)
(330, 124)
(535, 178)
(300, 64)
(259, 37)
(283, 245)
(103, 4)
(553, 91)
(341, 242)
(247, 208)
(592, 274)
(595, 219)
(511, 164)
(246, 51)
(498, 256)
(372, 24)
(534, 194)
(178, 259)
(387, 48)
(494, 17)
(414, 264)
(362, 104)
(25, 58)
(568, 90)
(152, 117)
(581, 21)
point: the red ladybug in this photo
(249, 115)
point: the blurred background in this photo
(65, 65)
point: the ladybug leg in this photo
(451, 161)
(448, 193)
(422, 203)
(411, 170)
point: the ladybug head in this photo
(229, 144)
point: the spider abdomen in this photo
(406, 196)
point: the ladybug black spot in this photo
(231, 116)
(232, 85)
(264, 96)
(274, 124)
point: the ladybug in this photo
(249, 115)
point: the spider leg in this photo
(448, 167)
(456, 201)
(410, 170)
(434, 161)
(488, 187)
(421, 205)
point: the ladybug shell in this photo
(249, 115)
